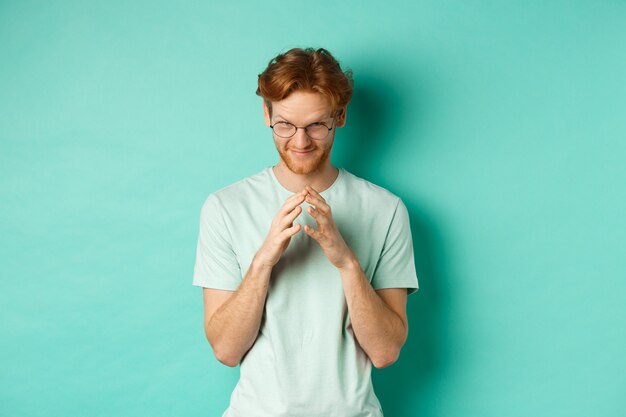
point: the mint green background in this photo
(501, 125)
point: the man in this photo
(305, 267)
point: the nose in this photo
(300, 139)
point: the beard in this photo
(304, 166)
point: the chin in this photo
(302, 168)
(305, 167)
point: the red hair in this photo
(306, 69)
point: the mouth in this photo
(302, 153)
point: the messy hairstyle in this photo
(308, 69)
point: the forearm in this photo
(378, 329)
(233, 328)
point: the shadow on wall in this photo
(379, 114)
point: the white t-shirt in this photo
(306, 360)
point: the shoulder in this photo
(238, 192)
(371, 195)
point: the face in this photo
(300, 153)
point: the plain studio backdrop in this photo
(501, 125)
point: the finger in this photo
(315, 234)
(318, 203)
(288, 232)
(296, 195)
(291, 203)
(291, 216)
(304, 191)
(319, 217)
(314, 192)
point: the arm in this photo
(378, 318)
(379, 321)
(232, 328)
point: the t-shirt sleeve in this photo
(216, 263)
(396, 265)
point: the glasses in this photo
(317, 130)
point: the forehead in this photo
(302, 107)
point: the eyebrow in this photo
(316, 121)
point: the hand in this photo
(327, 235)
(281, 230)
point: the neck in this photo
(320, 179)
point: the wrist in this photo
(351, 264)
(260, 265)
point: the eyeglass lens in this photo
(314, 130)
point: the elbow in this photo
(227, 360)
(225, 356)
(383, 363)
(222, 355)
(388, 359)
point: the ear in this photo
(341, 116)
(266, 115)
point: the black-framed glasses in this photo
(317, 130)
